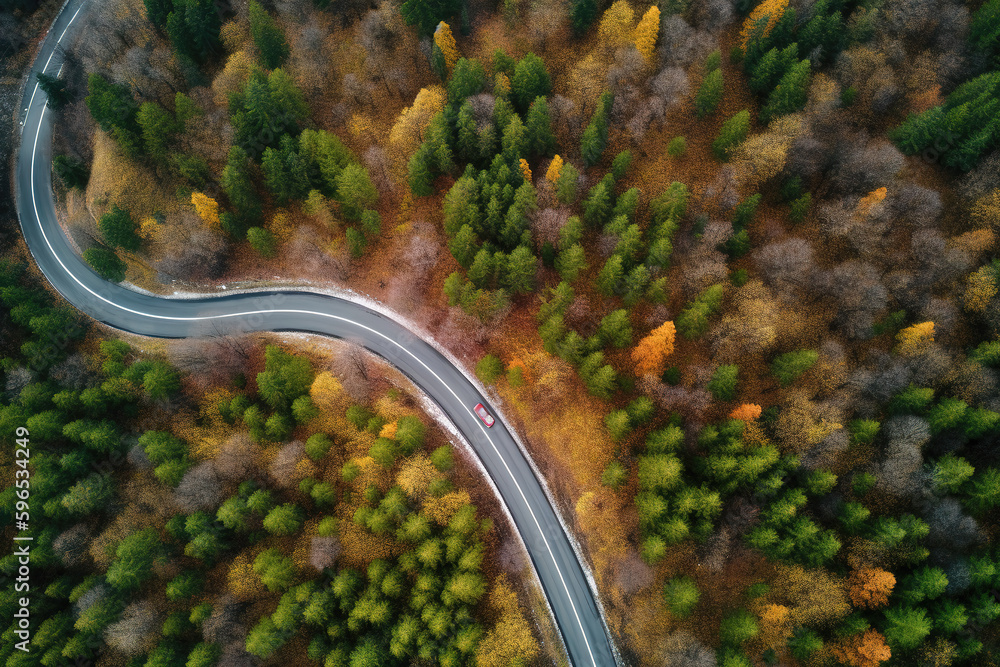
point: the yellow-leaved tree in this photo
(616, 24)
(647, 32)
(442, 509)
(986, 210)
(281, 226)
(525, 170)
(416, 475)
(762, 156)
(510, 639)
(408, 131)
(980, 287)
(237, 71)
(775, 628)
(651, 353)
(389, 430)
(769, 12)
(915, 340)
(555, 168)
(207, 209)
(148, 228)
(446, 42)
(326, 392)
(317, 206)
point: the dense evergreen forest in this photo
(730, 267)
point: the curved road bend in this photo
(561, 574)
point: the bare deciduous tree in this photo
(680, 44)
(199, 488)
(238, 458)
(284, 468)
(137, 631)
(682, 650)
(898, 468)
(71, 545)
(323, 552)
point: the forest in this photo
(729, 268)
(215, 522)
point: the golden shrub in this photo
(870, 203)
(813, 596)
(775, 628)
(762, 156)
(986, 210)
(389, 430)
(281, 226)
(148, 228)
(407, 132)
(243, 582)
(239, 66)
(974, 243)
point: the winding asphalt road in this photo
(562, 576)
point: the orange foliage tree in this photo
(746, 412)
(651, 353)
(864, 650)
(916, 339)
(870, 202)
(775, 628)
(646, 33)
(525, 170)
(389, 430)
(870, 587)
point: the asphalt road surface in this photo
(560, 572)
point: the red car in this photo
(484, 415)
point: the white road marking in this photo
(35, 90)
(41, 228)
